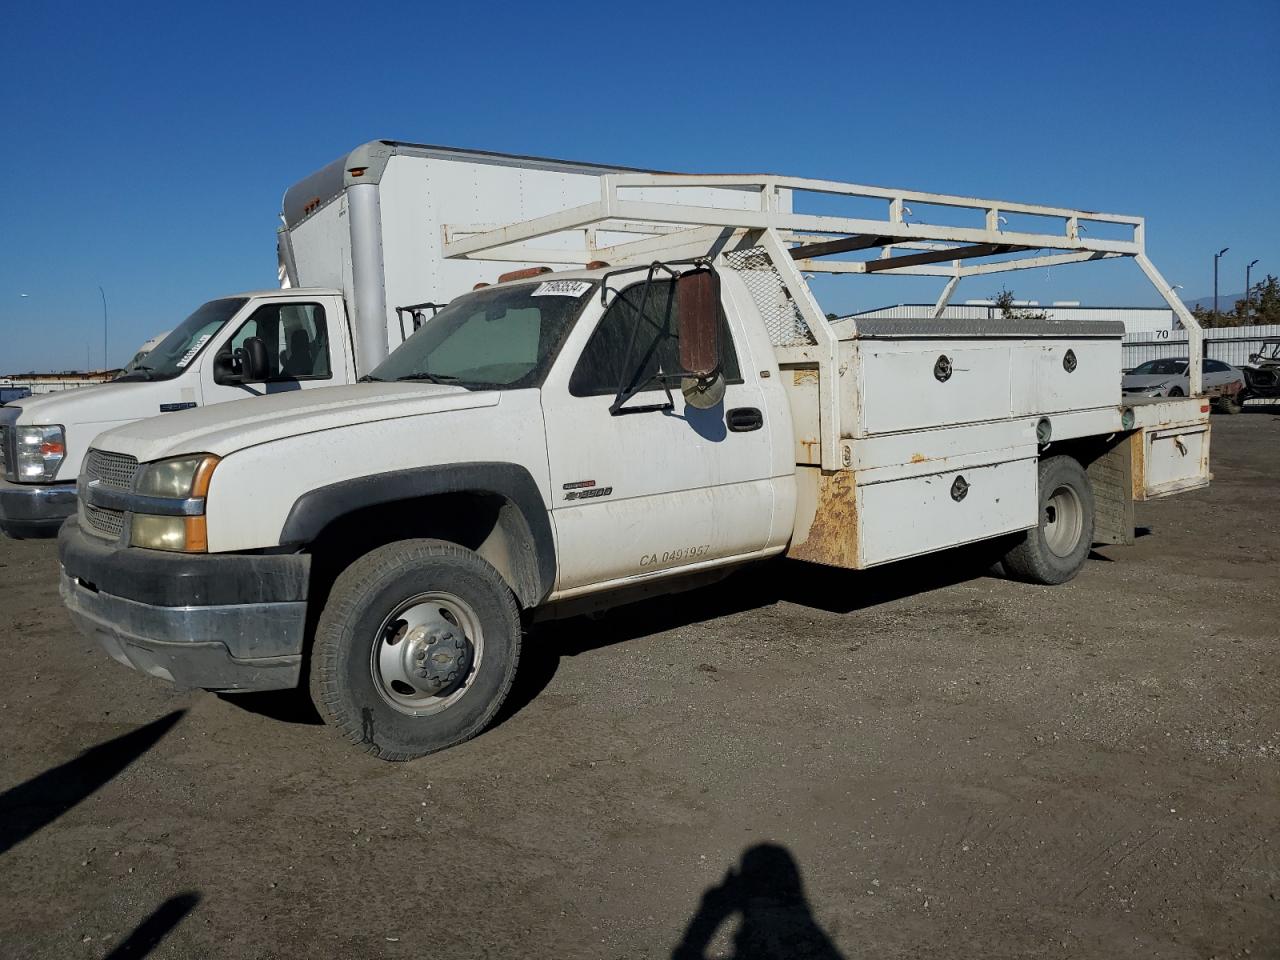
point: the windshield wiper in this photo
(430, 377)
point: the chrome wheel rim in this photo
(436, 634)
(1063, 521)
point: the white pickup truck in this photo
(588, 436)
(359, 257)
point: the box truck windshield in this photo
(501, 338)
(174, 353)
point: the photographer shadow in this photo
(766, 892)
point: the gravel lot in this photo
(917, 762)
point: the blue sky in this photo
(146, 147)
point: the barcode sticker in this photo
(195, 348)
(562, 288)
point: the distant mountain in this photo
(1226, 302)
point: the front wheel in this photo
(1054, 551)
(415, 650)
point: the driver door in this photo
(296, 336)
(642, 494)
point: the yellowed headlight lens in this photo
(180, 534)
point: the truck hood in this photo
(89, 404)
(224, 428)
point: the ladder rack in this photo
(901, 242)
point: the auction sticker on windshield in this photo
(195, 348)
(562, 288)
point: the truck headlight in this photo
(39, 452)
(182, 479)
(179, 479)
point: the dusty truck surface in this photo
(657, 413)
(359, 261)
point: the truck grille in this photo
(4, 451)
(102, 522)
(111, 469)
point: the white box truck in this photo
(675, 407)
(359, 256)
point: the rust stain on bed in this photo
(833, 537)
(808, 375)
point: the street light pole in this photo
(104, 319)
(1248, 290)
(1216, 257)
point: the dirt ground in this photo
(917, 762)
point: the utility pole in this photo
(1248, 290)
(104, 316)
(1216, 257)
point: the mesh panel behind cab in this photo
(782, 318)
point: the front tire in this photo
(1231, 404)
(415, 650)
(1055, 550)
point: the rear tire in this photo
(415, 650)
(1055, 550)
(1229, 404)
(1176, 392)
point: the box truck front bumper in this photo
(230, 622)
(35, 509)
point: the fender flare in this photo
(316, 509)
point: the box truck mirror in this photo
(252, 357)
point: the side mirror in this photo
(697, 296)
(697, 302)
(225, 369)
(252, 359)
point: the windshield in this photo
(1159, 368)
(503, 337)
(175, 352)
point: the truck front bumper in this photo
(35, 509)
(231, 622)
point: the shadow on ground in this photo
(147, 935)
(766, 894)
(755, 587)
(30, 806)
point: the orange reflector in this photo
(596, 265)
(524, 274)
(197, 535)
(1204, 408)
(204, 473)
(357, 171)
(480, 286)
(52, 449)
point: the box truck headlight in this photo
(185, 481)
(39, 452)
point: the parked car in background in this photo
(9, 394)
(1262, 372)
(1168, 377)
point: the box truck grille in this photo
(104, 523)
(111, 469)
(782, 318)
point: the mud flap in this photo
(1111, 477)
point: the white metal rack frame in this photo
(806, 242)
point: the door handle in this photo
(744, 419)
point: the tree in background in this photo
(1009, 310)
(1261, 307)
